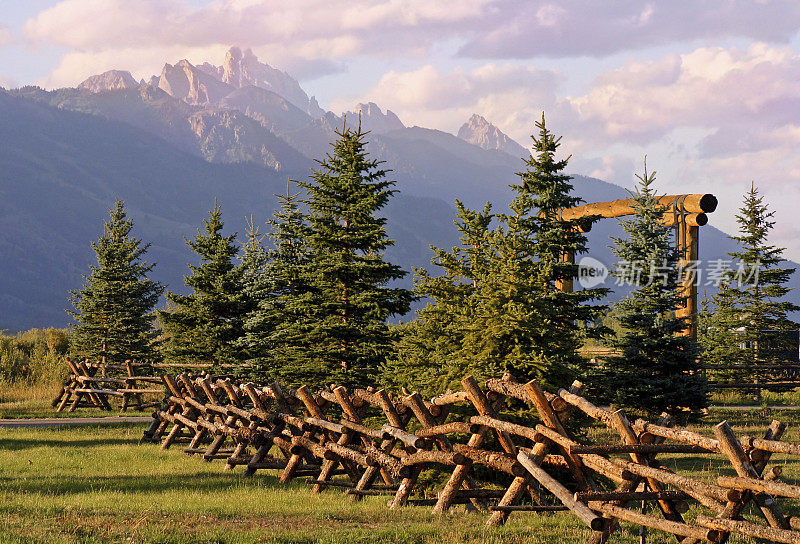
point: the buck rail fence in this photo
(373, 442)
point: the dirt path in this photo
(59, 421)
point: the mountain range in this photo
(171, 145)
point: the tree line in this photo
(309, 300)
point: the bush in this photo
(34, 357)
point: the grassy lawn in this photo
(24, 401)
(97, 484)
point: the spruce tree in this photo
(497, 307)
(275, 329)
(114, 308)
(746, 322)
(204, 325)
(655, 368)
(431, 355)
(351, 300)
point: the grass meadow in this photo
(98, 484)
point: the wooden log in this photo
(459, 427)
(705, 493)
(585, 406)
(678, 435)
(695, 203)
(586, 496)
(505, 426)
(750, 529)
(628, 436)
(773, 446)
(673, 527)
(460, 473)
(423, 457)
(760, 486)
(539, 454)
(381, 399)
(741, 464)
(352, 413)
(393, 465)
(361, 429)
(550, 419)
(325, 424)
(578, 508)
(451, 397)
(504, 462)
(603, 449)
(408, 439)
(597, 463)
(529, 508)
(421, 412)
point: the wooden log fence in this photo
(379, 443)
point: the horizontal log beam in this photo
(673, 527)
(696, 203)
(635, 448)
(780, 489)
(746, 528)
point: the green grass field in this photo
(97, 484)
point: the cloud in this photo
(8, 82)
(525, 29)
(6, 37)
(320, 29)
(732, 92)
(511, 96)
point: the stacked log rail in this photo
(93, 385)
(371, 442)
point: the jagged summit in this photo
(477, 130)
(109, 81)
(194, 86)
(373, 119)
(243, 68)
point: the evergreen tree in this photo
(351, 301)
(431, 356)
(746, 322)
(497, 307)
(655, 369)
(114, 308)
(276, 327)
(204, 325)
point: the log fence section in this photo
(92, 385)
(371, 442)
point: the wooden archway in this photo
(686, 213)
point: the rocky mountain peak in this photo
(243, 68)
(109, 81)
(373, 119)
(477, 130)
(188, 83)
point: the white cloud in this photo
(6, 37)
(511, 96)
(727, 90)
(8, 82)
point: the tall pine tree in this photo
(276, 327)
(746, 322)
(204, 325)
(655, 369)
(351, 300)
(497, 307)
(114, 308)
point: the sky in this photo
(708, 91)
